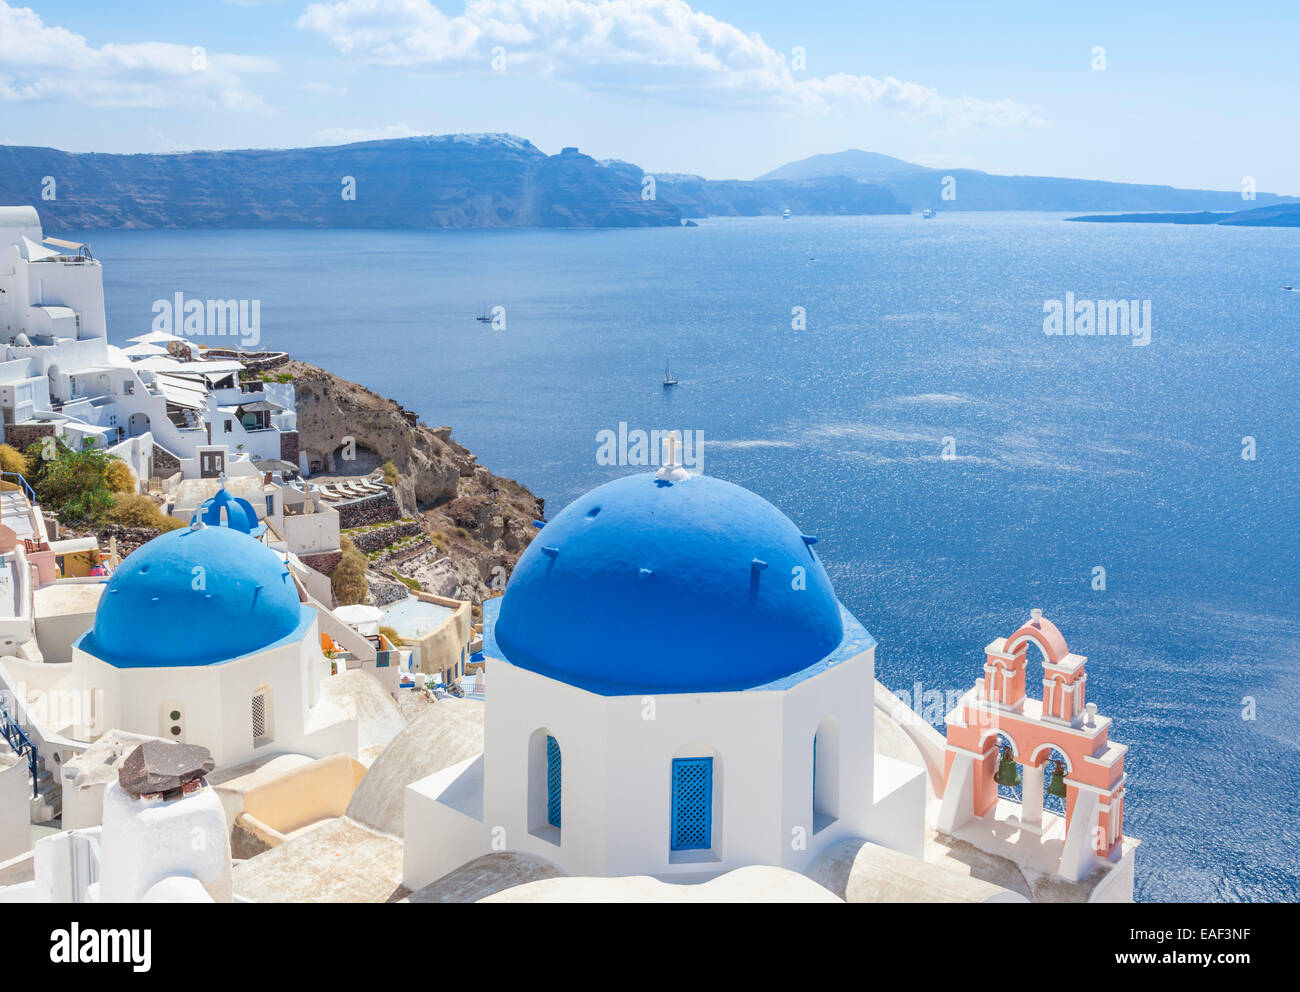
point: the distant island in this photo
(1277, 215)
(500, 180)
(970, 189)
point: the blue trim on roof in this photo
(86, 642)
(856, 640)
(195, 597)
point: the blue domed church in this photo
(201, 635)
(676, 692)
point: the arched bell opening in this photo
(1008, 772)
(1044, 788)
(1056, 767)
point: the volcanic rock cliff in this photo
(426, 182)
(477, 523)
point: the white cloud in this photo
(45, 62)
(659, 46)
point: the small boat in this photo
(1289, 289)
(927, 213)
(785, 214)
(484, 317)
(668, 378)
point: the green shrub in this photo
(72, 484)
(390, 472)
(392, 637)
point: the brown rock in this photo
(480, 521)
(163, 766)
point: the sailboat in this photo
(484, 317)
(668, 377)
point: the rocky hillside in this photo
(422, 182)
(478, 523)
(698, 197)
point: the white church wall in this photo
(444, 825)
(140, 700)
(616, 760)
(216, 702)
(840, 699)
(523, 702)
(742, 732)
(15, 794)
(898, 815)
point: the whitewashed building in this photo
(676, 692)
(59, 374)
(201, 636)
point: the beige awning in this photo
(182, 391)
(63, 244)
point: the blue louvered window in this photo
(552, 782)
(692, 804)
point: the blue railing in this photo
(20, 742)
(31, 493)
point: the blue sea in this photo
(1069, 453)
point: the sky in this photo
(1186, 94)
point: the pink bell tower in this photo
(1091, 832)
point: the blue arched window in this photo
(552, 782)
(692, 804)
(826, 773)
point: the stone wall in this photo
(128, 538)
(394, 559)
(254, 361)
(324, 562)
(289, 447)
(375, 509)
(22, 435)
(432, 568)
(383, 591)
(382, 537)
(164, 462)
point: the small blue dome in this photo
(225, 510)
(643, 585)
(194, 597)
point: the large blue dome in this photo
(194, 597)
(645, 585)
